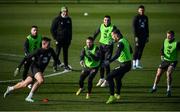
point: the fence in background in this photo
(92, 1)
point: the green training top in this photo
(170, 50)
(88, 60)
(126, 53)
(106, 37)
(34, 43)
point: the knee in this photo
(40, 81)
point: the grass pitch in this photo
(15, 23)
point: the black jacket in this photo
(61, 29)
(141, 27)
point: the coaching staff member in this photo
(61, 30)
(141, 34)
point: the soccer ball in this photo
(85, 14)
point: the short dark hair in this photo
(107, 16)
(90, 38)
(34, 26)
(46, 39)
(171, 32)
(117, 31)
(141, 6)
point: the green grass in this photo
(15, 23)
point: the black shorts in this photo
(165, 64)
(34, 69)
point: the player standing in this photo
(169, 55)
(61, 30)
(141, 35)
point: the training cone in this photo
(45, 100)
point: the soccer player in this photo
(141, 35)
(41, 59)
(106, 47)
(169, 57)
(90, 61)
(61, 30)
(124, 56)
(32, 43)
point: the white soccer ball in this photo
(85, 14)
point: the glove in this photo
(82, 63)
(16, 72)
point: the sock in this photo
(134, 62)
(168, 88)
(137, 62)
(30, 95)
(11, 88)
(154, 86)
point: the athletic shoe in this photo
(16, 72)
(87, 96)
(61, 65)
(67, 68)
(168, 94)
(80, 90)
(105, 84)
(29, 86)
(7, 91)
(111, 100)
(100, 82)
(117, 96)
(29, 100)
(153, 90)
(139, 67)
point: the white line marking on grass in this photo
(13, 55)
(46, 76)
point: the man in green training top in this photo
(124, 55)
(90, 61)
(106, 47)
(32, 43)
(169, 61)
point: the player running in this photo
(41, 59)
(169, 57)
(106, 47)
(124, 56)
(90, 61)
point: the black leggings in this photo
(118, 74)
(106, 53)
(91, 74)
(138, 50)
